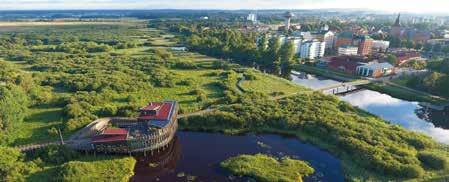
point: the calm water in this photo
(408, 114)
(198, 155)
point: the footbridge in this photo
(343, 87)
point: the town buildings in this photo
(252, 17)
(375, 70)
(400, 32)
(381, 45)
(365, 46)
(329, 39)
(344, 39)
(312, 49)
(347, 50)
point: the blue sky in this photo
(418, 6)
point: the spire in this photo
(397, 23)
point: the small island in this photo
(265, 168)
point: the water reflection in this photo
(397, 111)
(439, 118)
(150, 166)
(197, 156)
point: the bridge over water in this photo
(343, 87)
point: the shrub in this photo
(55, 154)
(266, 168)
(106, 169)
(433, 160)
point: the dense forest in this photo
(224, 41)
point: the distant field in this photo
(25, 24)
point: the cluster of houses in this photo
(375, 67)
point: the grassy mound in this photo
(266, 168)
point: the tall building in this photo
(365, 46)
(416, 35)
(288, 16)
(312, 49)
(396, 29)
(344, 39)
(252, 17)
(329, 38)
(347, 50)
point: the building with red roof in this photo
(347, 64)
(154, 128)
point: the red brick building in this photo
(365, 46)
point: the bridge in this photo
(344, 87)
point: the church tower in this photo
(396, 30)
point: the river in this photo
(196, 155)
(408, 114)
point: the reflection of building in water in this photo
(161, 163)
(440, 118)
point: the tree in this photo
(12, 167)
(272, 55)
(409, 44)
(392, 59)
(428, 47)
(287, 54)
(13, 107)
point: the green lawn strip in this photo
(406, 94)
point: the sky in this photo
(414, 6)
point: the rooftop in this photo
(111, 135)
(375, 66)
(160, 111)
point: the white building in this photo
(312, 49)
(252, 17)
(329, 38)
(381, 44)
(446, 34)
(347, 50)
(297, 41)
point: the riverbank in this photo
(332, 125)
(406, 93)
(387, 87)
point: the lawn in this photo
(270, 85)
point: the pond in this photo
(196, 155)
(408, 114)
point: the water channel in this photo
(411, 115)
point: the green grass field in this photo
(270, 85)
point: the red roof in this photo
(109, 138)
(163, 111)
(115, 131)
(339, 63)
(111, 135)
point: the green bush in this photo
(55, 154)
(266, 168)
(104, 170)
(433, 160)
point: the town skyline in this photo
(392, 6)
